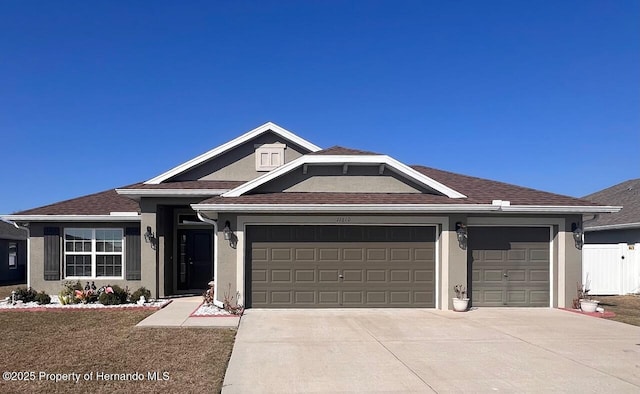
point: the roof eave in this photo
(117, 217)
(578, 209)
(623, 226)
(139, 193)
(360, 208)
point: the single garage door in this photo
(340, 266)
(509, 266)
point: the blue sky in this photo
(100, 94)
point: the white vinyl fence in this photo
(611, 269)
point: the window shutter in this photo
(133, 255)
(51, 253)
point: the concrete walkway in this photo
(176, 314)
(419, 350)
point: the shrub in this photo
(68, 293)
(114, 295)
(26, 294)
(43, 298)
(140, 292)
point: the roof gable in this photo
(358, 159)
(268, 127)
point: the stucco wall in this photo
(330, 178)
(239, 164)
(226, 279)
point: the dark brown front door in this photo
(195, 258)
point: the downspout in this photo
(214, 223)
(28, 251)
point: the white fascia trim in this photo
(269, 126)
(171, 192)
(346, 159)
(72, 218)
(559, 209)
(613, 227)
(363, 208)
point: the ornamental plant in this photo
(142, 291)
(114, 295)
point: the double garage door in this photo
(340, 266)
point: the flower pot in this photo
(588, 305)
(460, 305)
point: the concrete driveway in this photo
(419, 350)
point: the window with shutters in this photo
(94, 253)
(269, 156)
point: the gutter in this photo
(129, 217)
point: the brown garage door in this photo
(340, 266)
(509, 266)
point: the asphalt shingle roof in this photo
(625, 194)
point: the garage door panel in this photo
(328, 275)
(281, 297)
(281, 254)
(517, 255)
(520, 277)
(305, 297)
(305, 254)
(516, 275)
(305, 275)
(376, 276)
(424, 276)
(375, 254)
(352, 255)
(400, 255)
(400, 276)
(332, 254)
(372, 266)
(328, 297)
(353, 276)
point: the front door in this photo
(195, 258)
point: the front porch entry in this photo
(195, 258)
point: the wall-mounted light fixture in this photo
(461, 234)
(229, 235)
(149, 237)
(578, 235)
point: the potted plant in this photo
(460, 302)
(587, 304)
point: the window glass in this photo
(13, 255)
(94, 253)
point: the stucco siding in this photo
(239, 164)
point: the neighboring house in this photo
(13, 254)
(280, 222)
(612, 241)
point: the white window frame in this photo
(93, 253)
(273, 150)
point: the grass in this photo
(85, 341)
(626, 308)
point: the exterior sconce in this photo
(578, 234)
(461, 234)
(229, 235)
(149, 237)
